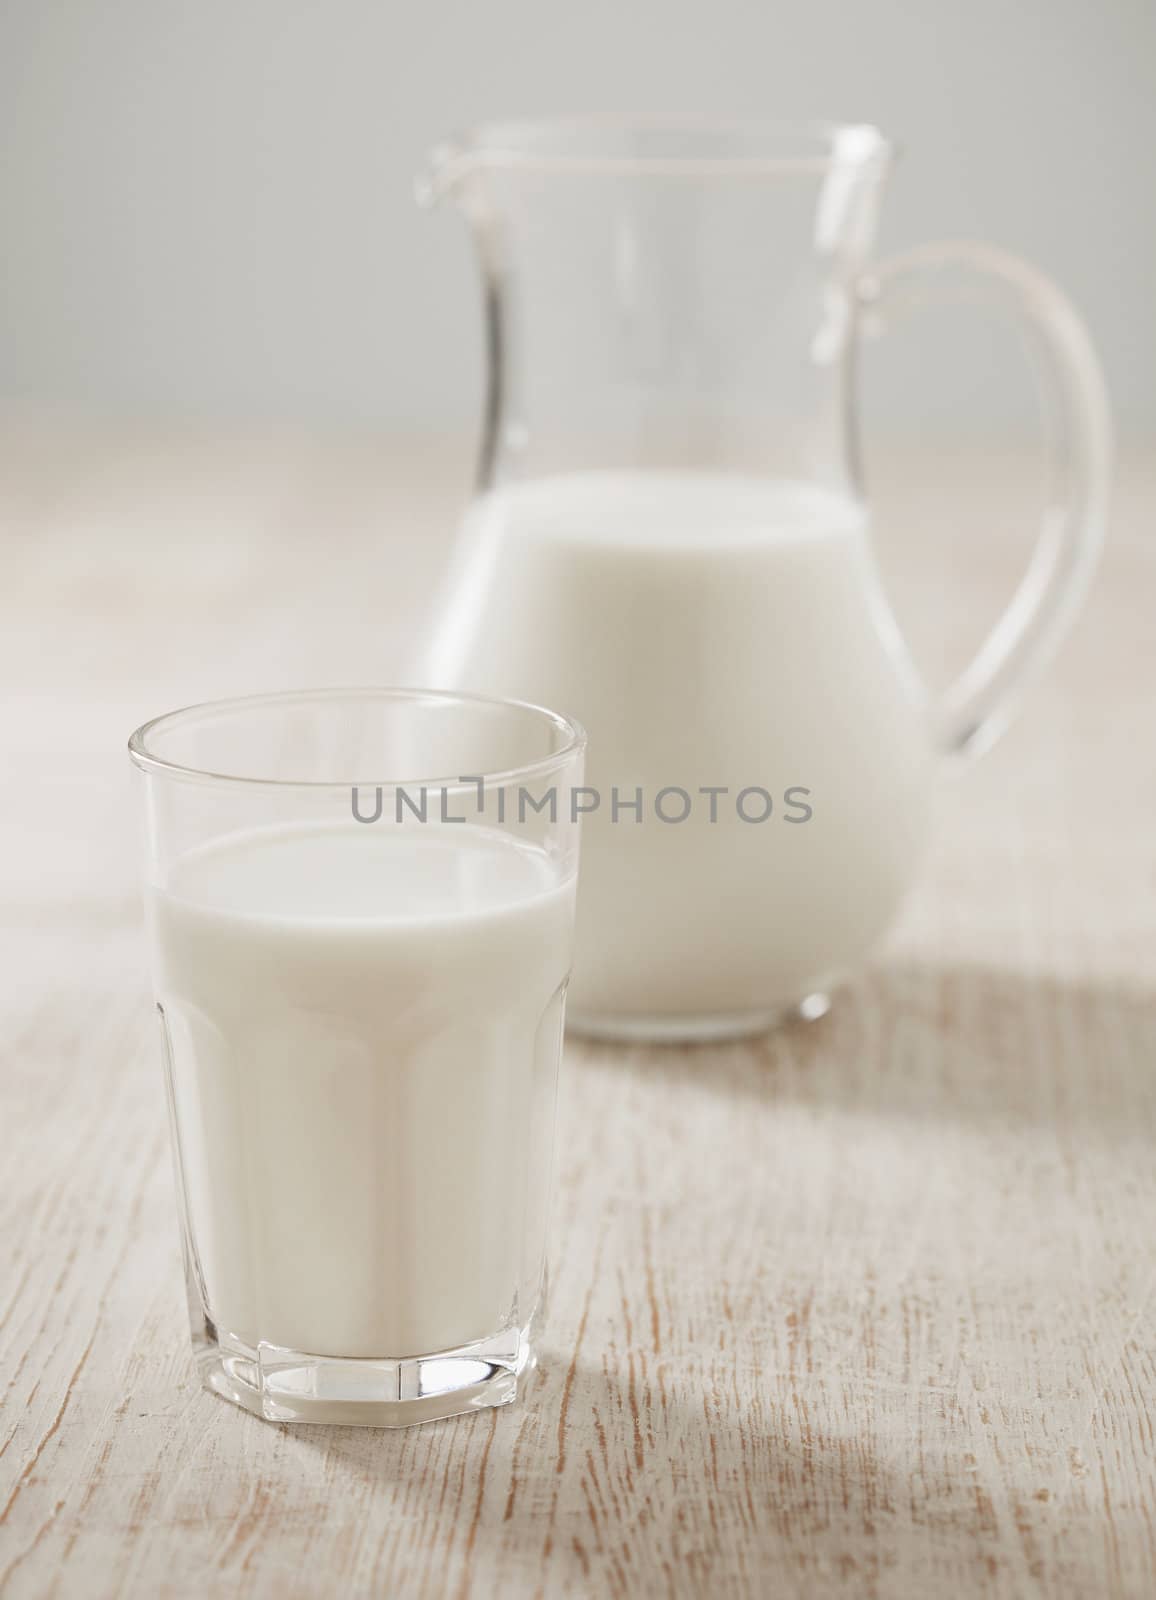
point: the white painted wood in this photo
(861, 1308)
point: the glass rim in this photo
(146, 760)
(586, 144)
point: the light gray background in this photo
(206, 206)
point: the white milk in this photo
(365, 1024)
(707, 630)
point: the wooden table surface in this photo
(865, 1307)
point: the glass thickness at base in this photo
(282, 1385)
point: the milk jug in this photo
(669, 540)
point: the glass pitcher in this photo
(669, 542)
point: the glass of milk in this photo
(361, 908)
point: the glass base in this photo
(695, 1030)
(290, 1386)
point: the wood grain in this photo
(861, 1308)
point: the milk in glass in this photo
(364, 1026)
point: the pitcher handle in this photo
(974, 711)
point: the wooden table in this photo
(863, 1308)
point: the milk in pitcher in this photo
(712, 632)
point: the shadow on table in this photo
(654, 1481)
(971, 1042)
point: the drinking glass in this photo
(360, 908)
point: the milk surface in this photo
(708, 630)
(364, 1025)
